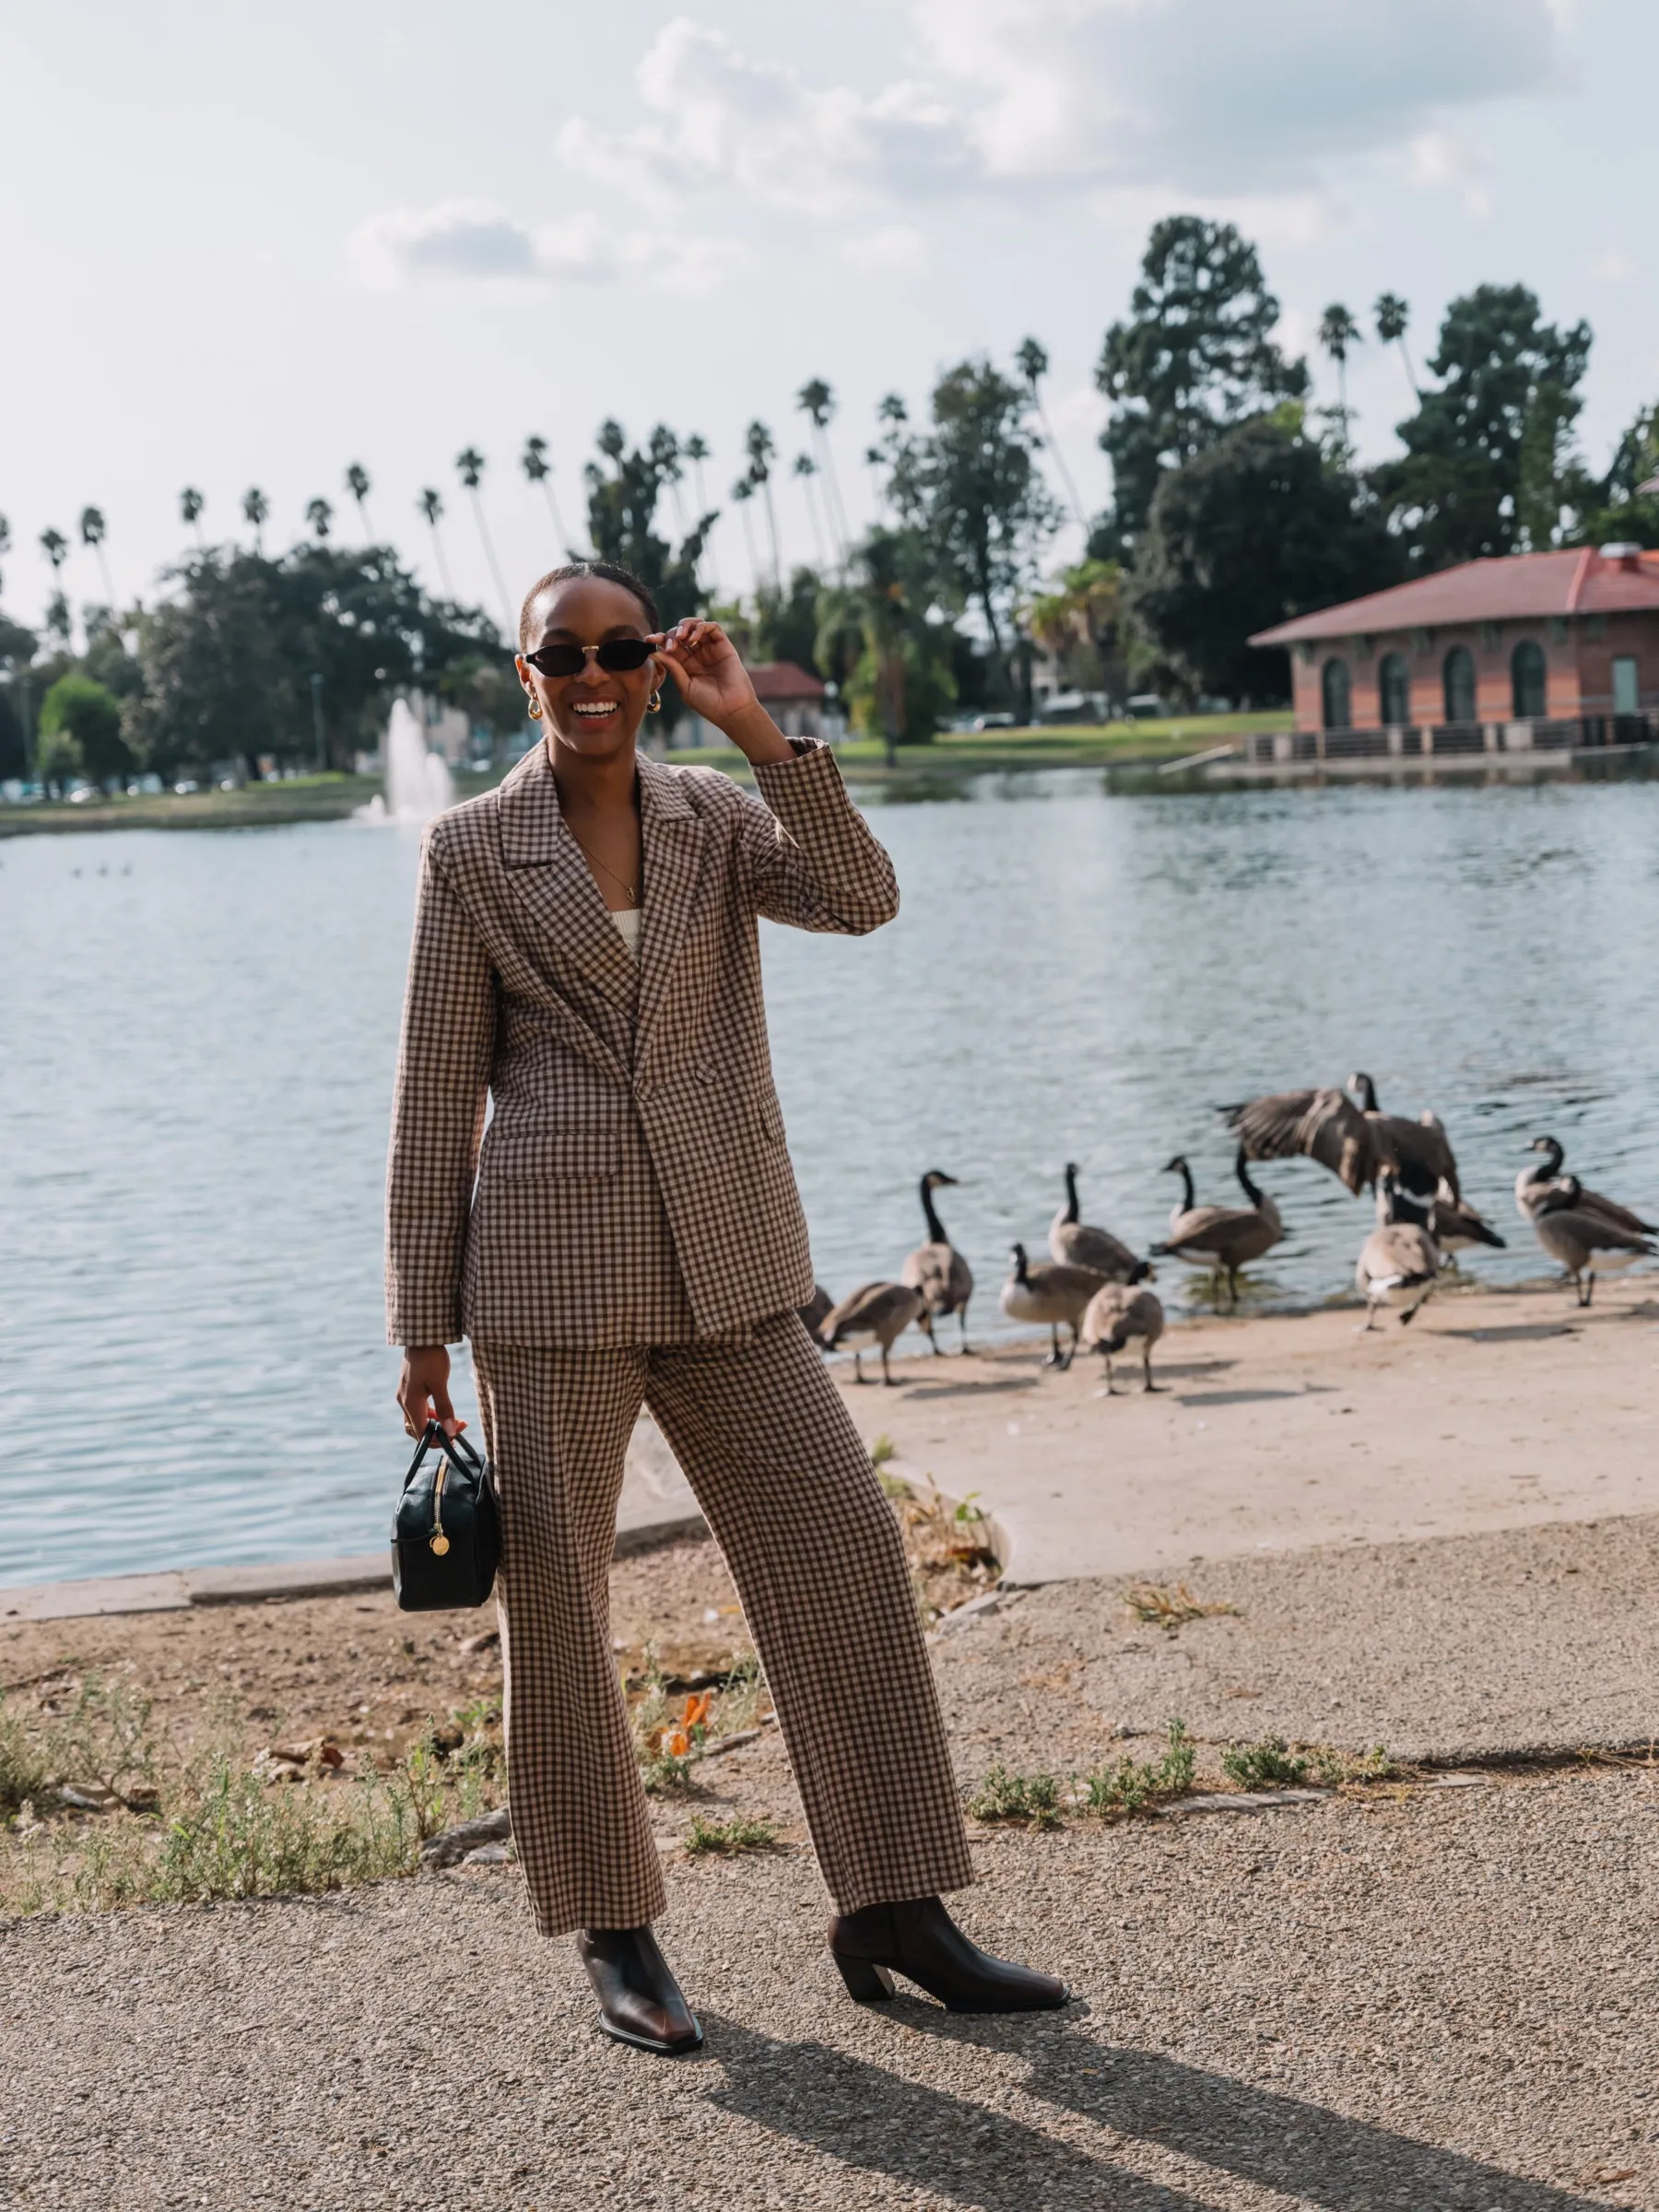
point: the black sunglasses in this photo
(618, 656)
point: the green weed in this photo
(723, 1838)
(1132, 1784)
(1029, 1800)
(1271, 1764)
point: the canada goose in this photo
(1399, 1262)
(1049, 1293)
(1075, 1244)
(1585, 1242)
(876, 1313)
(1224, 1238)
(814, 1312)
(1324, 1125)
(937, 1269)
(1419, 1149)
(1455, 1225)
(1535, 1185)
(1119, 1315)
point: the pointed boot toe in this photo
(639, 2001)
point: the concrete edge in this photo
(181, 1592)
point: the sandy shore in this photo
(1494, 1409)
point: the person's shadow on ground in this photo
(872, 2119)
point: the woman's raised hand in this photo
(714, 682)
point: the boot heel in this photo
(867, 1984)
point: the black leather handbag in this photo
(446, 1532)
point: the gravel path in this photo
(1446, 2000)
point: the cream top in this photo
(628, 920)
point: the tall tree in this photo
(743, 491)
(625, 489)
(696, 450)
(1079, 619)
(1195, 356)
(1488, 466)
(806, 468)
(971, 486)
(1393, 318)
(319, 515)
(1626, 505)
(191, 505)
(1256, 528)
(539, 470)
(816, 402)
(5, 536)
(1033, 364)
(55, 546)
(431, 508)
(358, 486)
(469, 461)
(760, 445)
(256, 510)
(93, 530)
(1337, 333)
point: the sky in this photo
(251, 246)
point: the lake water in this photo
(199, 1032)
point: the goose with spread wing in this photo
(1324, 1125)
(1420, 1149)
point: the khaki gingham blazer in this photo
(633, 1186)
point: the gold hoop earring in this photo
(654, 705)
(536, 709)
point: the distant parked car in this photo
(185, 788)
(1145, 706)
(991, 722)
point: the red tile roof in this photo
(783, 679)
(1518, 587)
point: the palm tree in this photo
(1337, 332)
(806, 467)
(470, 462)
(817, 401)
(539, 470)
(191, 505)
(743, 491)
(1033, 364)
(431, 506)
(256, 510)
(874, 606)
(5, 535)
(319, 515)
(92, 530)
(759, 444)
(55, 546)
(1393, 317)
(356, 484)
(696, 450)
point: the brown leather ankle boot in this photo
(639, 2000)
(918, 1939)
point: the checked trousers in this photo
(787, 1485)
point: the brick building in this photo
(1496, 656)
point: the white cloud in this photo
(1452, 161)
(1204, 97)
(1614, 266)
(894, 246)
(473, 242)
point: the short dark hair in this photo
(571, 572)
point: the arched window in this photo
(1393, 686)
(1333, 694)
(1460, 683)
(1526, 681)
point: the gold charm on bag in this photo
(438, 1540)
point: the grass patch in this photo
(1020, 1800)
(724, 1839)
(1130, 1786)
(1168, 1605)
(1272, 1764)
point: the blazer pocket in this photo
(572, 1152)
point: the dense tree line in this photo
(1235, 503)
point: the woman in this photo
(585, 953)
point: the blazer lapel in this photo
(674, 839)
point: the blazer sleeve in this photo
(443, 1066)
(811, 857)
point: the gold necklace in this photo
(594, 861)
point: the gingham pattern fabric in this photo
(767, 1445)
(634, 1187)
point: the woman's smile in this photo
(595, 710)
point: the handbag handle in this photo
(456, 1446)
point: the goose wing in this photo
(1452, 1224)
(941, 1274)
(1560, 1225)
(1207, 1228)
(1399, 1251)
(1324, 1125)
(1076, 1244)
(1592, 1202)
(869, 1309)
(1420, 1149)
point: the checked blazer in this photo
(633, 1186)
